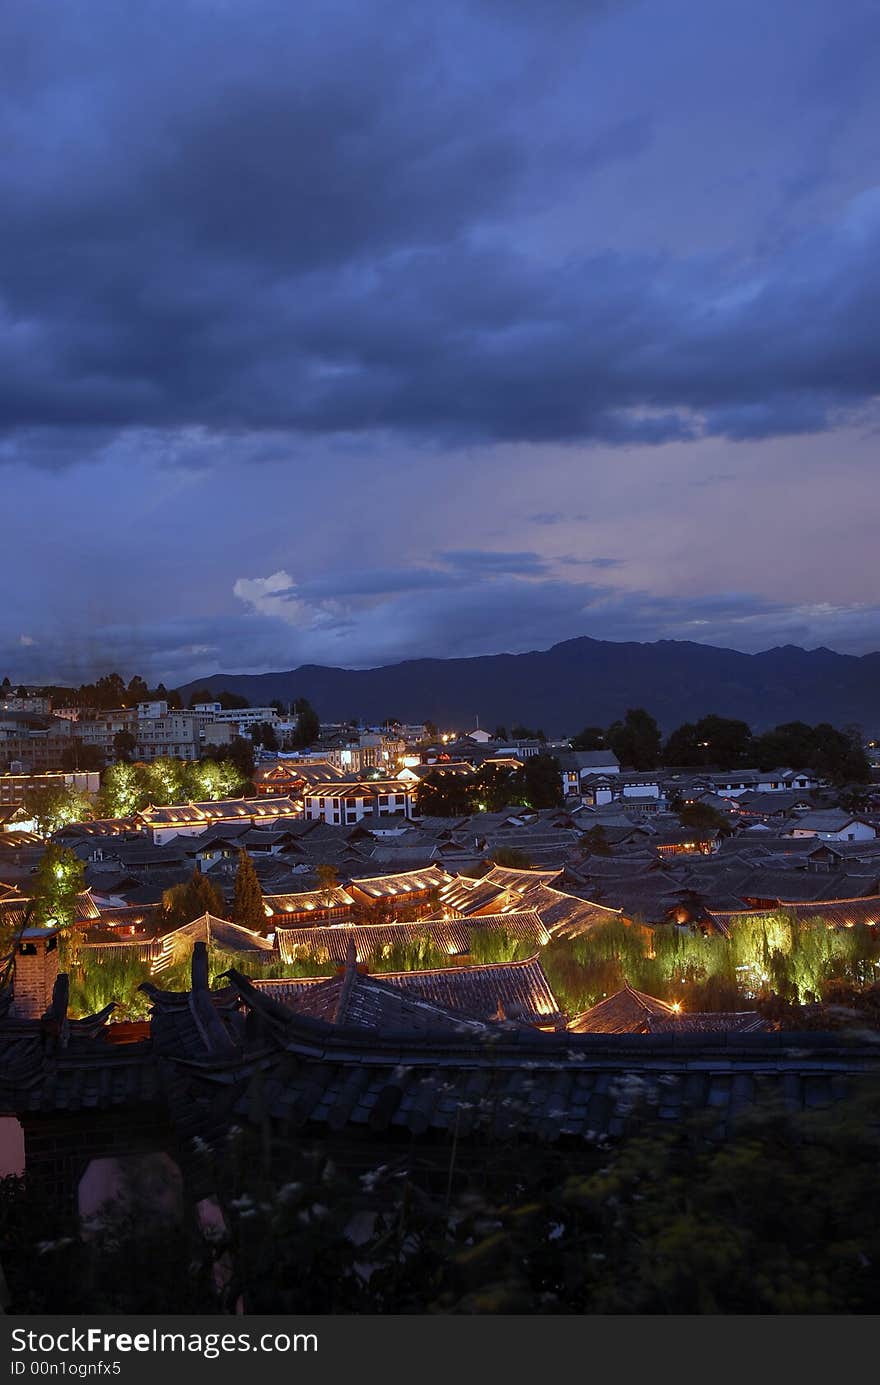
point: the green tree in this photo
(702, 817)
(166, 781)
(230, 701)
(124, 745)
(109, 692)
(308, 724)
(635, 740)
(591, 738)
(77, 756)
(445, 795)
(682, 747)
(789, 745)
(540, 782)
(58, 880)
(200, 696)
(137, 690)
(53, 808)
(124, 790)
(328, 880)
(724, 741)
(264, 734)
(189, 900)
(247, 900)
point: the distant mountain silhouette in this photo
(585, 682)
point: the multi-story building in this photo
(243, 717)
(29, 742)
(42, 706)
(98, 729)
(159, 731)
(13, 787)
(348, 802)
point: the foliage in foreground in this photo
(780, 1218)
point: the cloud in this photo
(318, 235)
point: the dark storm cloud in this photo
(243, 220)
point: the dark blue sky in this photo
(351, 332)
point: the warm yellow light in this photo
(677, 1006)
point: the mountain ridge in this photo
(584, 681)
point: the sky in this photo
(348, 332)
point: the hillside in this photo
(585, 681)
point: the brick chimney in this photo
(36, 970)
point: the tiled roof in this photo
(521, 880)
(517, 991)
(840, 913)
(308, 901)
(14, 909)
(565, 914)
(629, 1011)
(464, 895)
(381, 886)
(375, 939)
(230, 937)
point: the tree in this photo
(124, 745)
(682, 746)
(635, 740)
(835, 757)
(137, 690)
(702, 817)
(165, 779)
(500, 733)
(123, 790)
(280, 707)
(231, 702)
(328, 880)
(189, 900)
(591, 738)
(247, 900)
(54, 808)
(264, 734)
(200, 696)
(109, 691)
(525, 733)
(789, 745)
(239, 753)
(713, 740)
(77, 756)
(308, 724)
(444, 795)
(58, 880)
(540, 782)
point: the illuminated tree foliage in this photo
(766, 955)
(53, 808)
(127, 788)
(58, 879)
